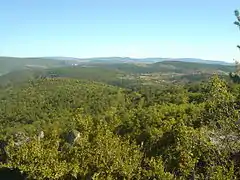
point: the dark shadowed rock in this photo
(11, 174)
(72, 136)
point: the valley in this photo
(117, 120)
(112, 70)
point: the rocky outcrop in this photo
(20, 138)
(72, 136)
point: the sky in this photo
(126, 28)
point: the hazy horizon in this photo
(146, 29)
(136, 58)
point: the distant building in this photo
(74, 64)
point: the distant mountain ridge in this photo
(136, 60)
(8, 64)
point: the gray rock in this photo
(41, 135)
(20, 138)
(73, 136)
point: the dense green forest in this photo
(78, 125)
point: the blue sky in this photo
(134, 28)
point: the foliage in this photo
(236, 76)
(165, 131)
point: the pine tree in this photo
(236, 75)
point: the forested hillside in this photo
(9, 64)
(121, 74)
(64, 128)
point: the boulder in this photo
(73, 136)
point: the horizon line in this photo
(130, 57)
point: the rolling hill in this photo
(62, 123)
(142, 65)
(167, 67)
(191, 67)
(113, 60)
(8, 64)
(116, 73)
